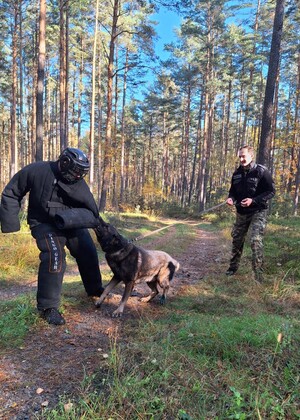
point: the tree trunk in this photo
(296, 137)
(265, 139)
(122, 163)
(40, 82)
(62, 76)
(227, 127)
(67, 73)
(186, 141)
(13, 117)
(80, 90)
(207, 134)
(92, 124)
(274, 122)
(196, 152)
(249, 99)
(108, 137)
(165, 157)
(100, 123)
(21, 90)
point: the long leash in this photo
(139, 238)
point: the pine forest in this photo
(158, 131)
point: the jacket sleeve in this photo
(231, 193)
(266, 189)
(11, 200)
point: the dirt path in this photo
(54, 361)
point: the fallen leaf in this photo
(279, 337)
(68, 407)
(39, 390)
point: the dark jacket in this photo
(48, 194)
(255, 183)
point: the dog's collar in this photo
(122, 253)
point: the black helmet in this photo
(73, 164)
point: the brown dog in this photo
(131, 264)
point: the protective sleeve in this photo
(76, 219)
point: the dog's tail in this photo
(172, 266)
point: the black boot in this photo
(53, 316)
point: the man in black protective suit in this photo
(54, 187)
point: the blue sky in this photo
(167, 22)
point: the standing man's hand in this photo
(229, 201)
(246, 202)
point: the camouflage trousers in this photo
(256, 223)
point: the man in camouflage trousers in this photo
(251, 188)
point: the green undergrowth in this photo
(190, 365)
(223, 348)
(17, 316)
(19, 256)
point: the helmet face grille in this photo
(73, 165)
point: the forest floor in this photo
(54, 361)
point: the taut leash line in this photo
(138, 238)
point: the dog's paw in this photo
(117, 314)
(145, 299)
(96, 301)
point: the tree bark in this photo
(122, 163)
(296, 138)
(196, 152)
(62, 76)
(80, 92)
(186, 141)
(265, 139)
(92, 123)
(13, 117)
(40, 82)
(21, 90)
(109, 115)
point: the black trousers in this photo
(51, 243)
